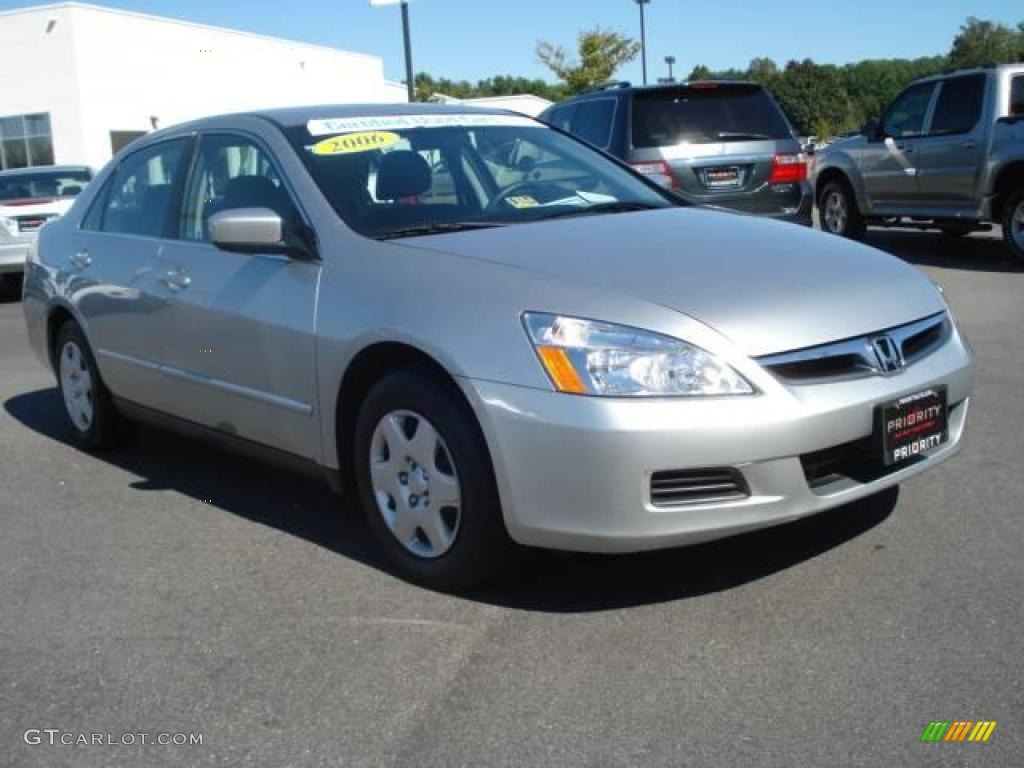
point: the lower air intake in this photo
(675, 487)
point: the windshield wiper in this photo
(741, 136)
(437, 228)
(615, 207)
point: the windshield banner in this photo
(336, 125)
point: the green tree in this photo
(762, 69)
(601, 53)
(700, 72)
(984, 42)
(813, 96)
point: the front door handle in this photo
(176, 280)
(82, 259)
(970, 144)
(906, 149)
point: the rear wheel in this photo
(88, 410)
(426, 484)
(1013, 224)
(838, 210)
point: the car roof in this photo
(625, 88)
(947, 73)
(45, 169)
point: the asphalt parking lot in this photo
(170, 587)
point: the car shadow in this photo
(543, 581)
(933, 249)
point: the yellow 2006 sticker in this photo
(364, 141)
(522, 201)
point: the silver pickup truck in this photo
(947, 154)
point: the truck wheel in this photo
(838, 210)
(1013, 224)
(427, 486)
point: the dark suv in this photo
(721, 143)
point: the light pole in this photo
(643, 36)
(670, 60)
(407, 39)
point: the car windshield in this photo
(44, 184)
(704, 114)
(405, 175)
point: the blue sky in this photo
(472, 39)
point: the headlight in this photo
(9, 224)
(586, 357)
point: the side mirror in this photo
(255, 230)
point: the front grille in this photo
(32, 223)
(697, 486)
(857, 356)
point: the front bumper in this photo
(574, 472)
(12, 256)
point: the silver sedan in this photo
(498, 335)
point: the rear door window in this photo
(142, 197)
(958, 109)
(593, 121)
(905, 117)
(706, 114)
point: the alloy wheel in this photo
(836, 214)
(1017, 225)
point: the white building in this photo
(77, 81)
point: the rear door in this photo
(890, 164)
(113, 258)
(719, 139)
(953, 146)
(239, 343)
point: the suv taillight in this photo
(659, 172)
(788, 168)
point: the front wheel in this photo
(839, 213)
(1013, 224)
(427, 485)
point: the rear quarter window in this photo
(593, 121)
(1017, 96)
(704, 115)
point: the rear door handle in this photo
(906, 149)
(82, 259)
(176, 280)
(970, 144)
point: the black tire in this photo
(101, 428)
(849, 225)
(1013, 225)
(481, 549)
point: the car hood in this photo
(767, 286)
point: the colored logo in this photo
(958, 730)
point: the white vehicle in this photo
(29, 197)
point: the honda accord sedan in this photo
(495, 334)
